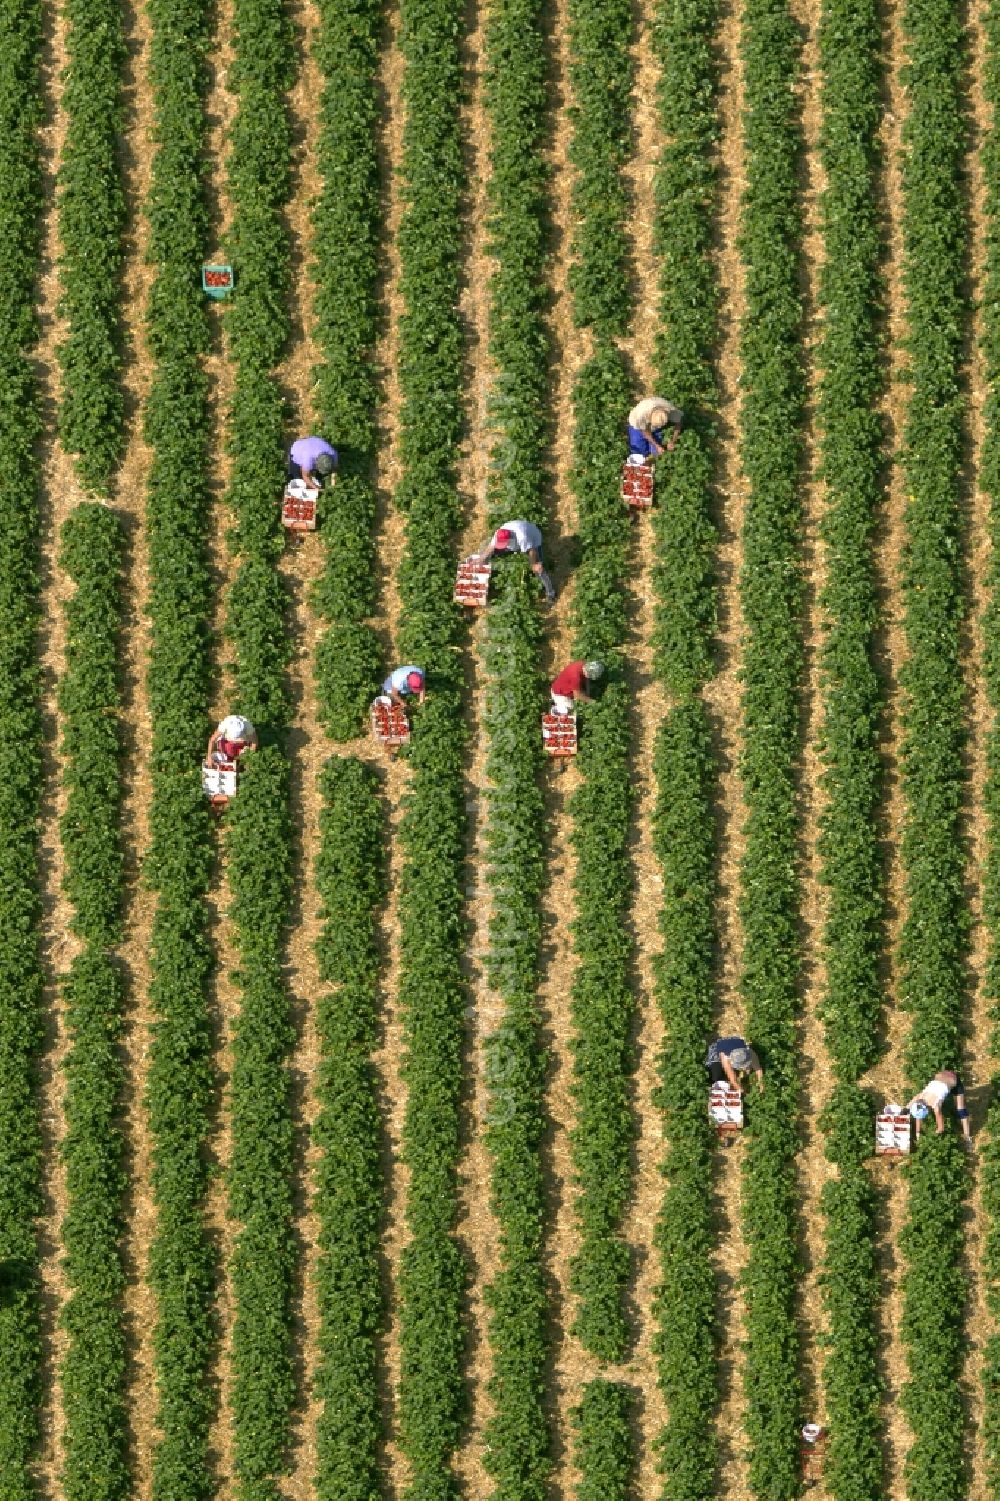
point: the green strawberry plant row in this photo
(351, 879)
(517, 1434)
(21, 47)
(346, 230)
(93, 1369)
(989, 477)
(432, 1274)
(259, 841)
(771, 595)
(603, 1445)
(92, 217)
(850, 294)
(180, 1086)
(933, 940)
(350, 872)
(601, 1001)
(685, 762)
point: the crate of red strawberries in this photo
(217, 281)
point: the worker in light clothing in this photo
(515, 537)
(230, 739)
(933, 1096)
(312, 460)
(730, 1057)
(570, 686)
(405, 682)
(647, 424)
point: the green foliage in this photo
(433, 829)
(684, 767)
(933, 940)
(350, 875)
(771, 593)
(604, 1449)
(178, 865)
(684, 763)
(259, 843)
(602, 1003)
(259, 860)
(990, 480)
(850, 293)
(93, 1368)
(346, 228)
(517, 1434)
(92, 217)
(21, 42)
(686, 197)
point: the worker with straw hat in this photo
(234, 735)
(647, 424)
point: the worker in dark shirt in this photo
(730, 1057)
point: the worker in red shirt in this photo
(232, 737)
(571, 685)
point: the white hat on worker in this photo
(235, 727)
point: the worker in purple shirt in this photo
(312, 459)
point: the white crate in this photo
(893, 1132)
(219, 781)
(725, 1107)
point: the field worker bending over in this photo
(571, 684)
(933, 1096)
(312, 460)
(729, 1057)
(515, 537)
(405, 682)
(647, 424)
(233, 736)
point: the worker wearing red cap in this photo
(405, 682)
(520, 536)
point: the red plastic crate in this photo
(472, 583)
(637, 486)
(559, 734)
(390, 725)
(298, 511)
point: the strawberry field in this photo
(354, 1136)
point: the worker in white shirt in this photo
(933, 1096)
(647, 425)
(523, 537)
(405, 682)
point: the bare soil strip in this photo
(390, 546)
(569, 349)
(59, 493)
(130, 500)
(816, 1076)
(723, 697)
(477, 1227)
(979, 1063)
(649, 708)
(888, 1077)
